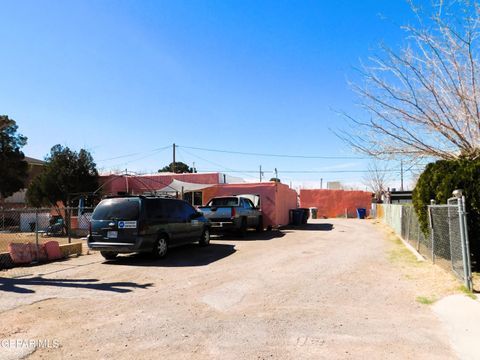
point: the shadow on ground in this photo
(187, 255)
(312, 227)
(250, 236)
(17, 284)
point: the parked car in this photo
(145, 224)
(234, 213)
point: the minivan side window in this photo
(188, 211)
(174, 210)
(156, 209)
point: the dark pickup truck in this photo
(234, 213)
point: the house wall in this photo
(17, 199)
(276, 199)
(332, 203)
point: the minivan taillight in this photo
(234, 212)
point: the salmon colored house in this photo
(275, 199)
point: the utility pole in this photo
(260, 173)
(401, 175)
(173, 163)
(321, 183)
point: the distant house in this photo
(398, 197)
(334, 185)
(17, 200)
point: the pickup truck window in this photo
(223, 202)
(248, 204)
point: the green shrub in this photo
(438, 181)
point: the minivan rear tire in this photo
(160, 247)
(109, 255)
(205, 239)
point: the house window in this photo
(194, 198)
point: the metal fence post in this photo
(432, 235)
(36, 235)
(464, 240)
(69, 225)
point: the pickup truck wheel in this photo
(109, 255)
(243, 228)
(205, 239)
(259, 227)
(160, 247)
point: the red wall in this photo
(276, 199)
(142, 183)
(332, 203)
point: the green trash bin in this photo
(296, 217)
(313, 212)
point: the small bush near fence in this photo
(438, 181)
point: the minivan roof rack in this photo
(145, 196)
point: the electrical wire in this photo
(135, 154)
(271, 155)
(225, 169)
(157, 151)
(303, 171)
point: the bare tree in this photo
(376, 179)
(424, 100)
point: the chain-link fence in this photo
(25, 230)
(449, 233)
(412, 233)
(446, 243)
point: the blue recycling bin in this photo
(361, 213)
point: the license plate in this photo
(112, 234)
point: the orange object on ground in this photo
(334, 203)
(20, 253)
(42, 252)
(53, 250)
(276, 199)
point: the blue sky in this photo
(128, 77)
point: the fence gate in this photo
(449, 238)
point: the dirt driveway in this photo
(328, 291)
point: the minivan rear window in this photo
(233, 201)
(117, 209)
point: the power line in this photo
(135, 154)
(226, 169)
(273, 155)
(303, 171)
(156, 152)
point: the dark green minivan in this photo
(145, 224)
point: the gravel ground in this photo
(327, 291)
